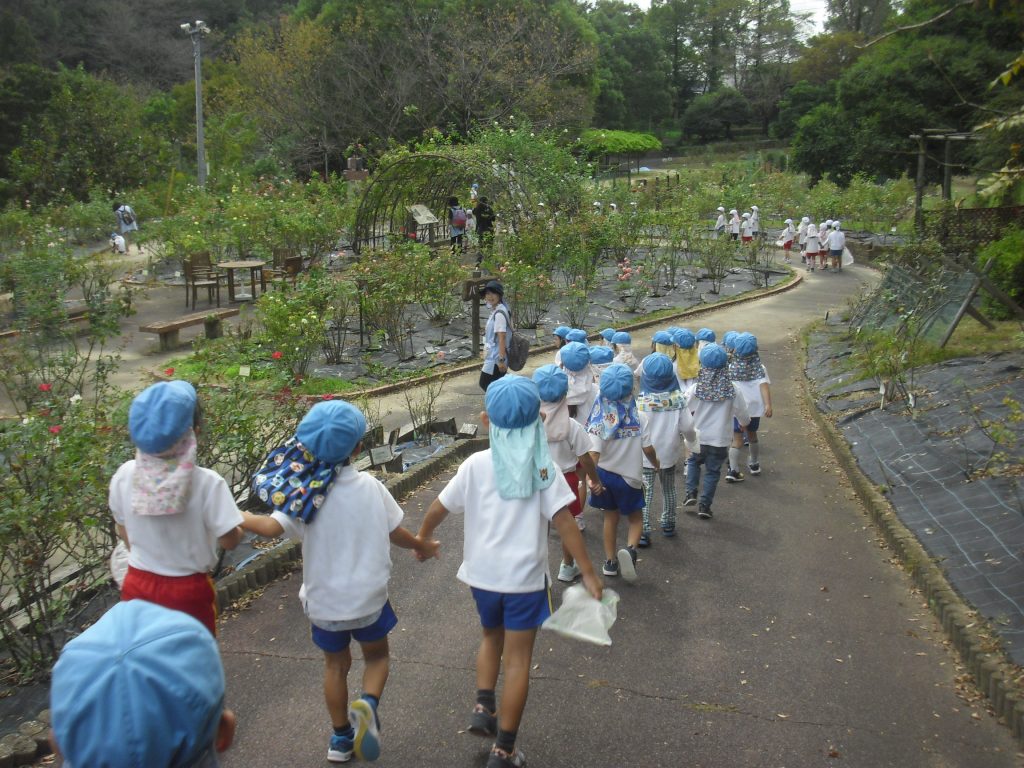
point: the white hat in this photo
(754, 208)
(835, 225)
(613, 206)
(746, 215)
(597, 203)
(788, 221)
(828, 222)
(720, 208)
(805, 220)
(732, 211)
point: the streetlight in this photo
(196, 33)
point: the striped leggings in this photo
(668, 493)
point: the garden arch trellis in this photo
(430, 178)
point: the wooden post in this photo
(965, 305)
(947, 169)
(919, 185)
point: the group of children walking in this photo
(742, 227)
(820, 244)
(597, 421)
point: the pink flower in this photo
(56, 428)
(440, 354)
(168, 371)
(277, 354)
(44, 387)
(327, 397)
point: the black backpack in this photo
(517, 347)
(127, 216)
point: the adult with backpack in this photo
(484, 215)
(496, 334)
(457, 221)
(127, 221)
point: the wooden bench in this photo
(76, 315)
(168, 329)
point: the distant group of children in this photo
(821, 245)
(742, 227)
(597, 419)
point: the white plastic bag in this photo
(581, 617)
(847, 258)
(119, 563)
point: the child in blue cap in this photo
(560, 333)
(662, 403)
(346, 521)
(687, 361)
(622, 347)
(171, 514)
(750, 378)
(582, 387)
(508, 495)
(143, 686)
(714, 403)
(606, 336)
(569, 446)
(619, 439)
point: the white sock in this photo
(755, 452)
(734, 458)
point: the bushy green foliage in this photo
(600, 142)
(713, 115)
(1007, 255)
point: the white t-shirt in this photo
(118, 244)
(505, 545)
(565, 453)
(624, 456)
(666, 428)
(346, 550)
(751, 391)
(713, 421)
(496, 323)
(181, 544)
(836, 240)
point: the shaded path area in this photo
(778, 634)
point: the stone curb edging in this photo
(272, 563)
(993, 673)
(30, 741)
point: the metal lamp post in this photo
(196, 32)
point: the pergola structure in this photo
(429, 179)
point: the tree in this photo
(672, 21)
(602, 143)
(798, 101)
(712, 115)
(863, 17)
(633, 71)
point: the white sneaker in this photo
(568, 572)
(581, 523)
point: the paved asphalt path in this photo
(778, 634)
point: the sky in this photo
(815, 7)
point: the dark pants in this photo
(487, 378)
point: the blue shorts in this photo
(836, 253)
(334, 642)
(618, 496)
(755, 422)
(518, 610)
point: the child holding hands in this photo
(508, 494)
(346, 521)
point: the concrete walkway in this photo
(778, 634)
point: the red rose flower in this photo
(44, 387)
(56, 428)
(277, 354)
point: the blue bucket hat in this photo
(673, 330)
(601, 355)
(575, 356)
(658, 374)
(331, 430)
(161, 414)
(552, 383)
(143, 686)
(621, 337)
(512, 402)
(746, 344)
(562, 331)
(684, 339)
(705, 334)
(729, 339)
(713, 356)
(616, 382)
(576, 334)
(607, 334)
(662, 337)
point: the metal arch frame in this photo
(430, 178)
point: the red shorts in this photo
(788, 245)
(193, 594)
(574, 482)
(747, 239)
(812, 253)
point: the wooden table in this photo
(253, 265)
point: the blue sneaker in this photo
(340, 749)
(364, 720)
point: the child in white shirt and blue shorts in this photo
(508, 495)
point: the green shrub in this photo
(1007, 271)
